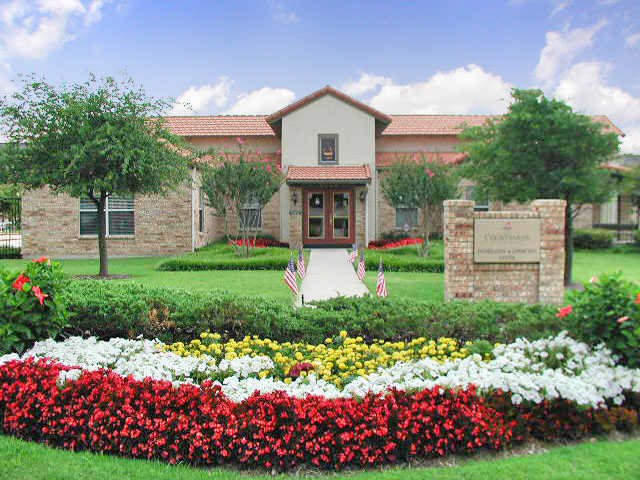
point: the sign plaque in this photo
(506, 240)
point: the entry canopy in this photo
(342, 174)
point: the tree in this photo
(237, 187)
(423, 185)
(90, 140)
(541, 149)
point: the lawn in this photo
(418, 285)
(600, 460)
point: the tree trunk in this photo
(102, 235)
(568, 244)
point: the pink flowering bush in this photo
(30, 305)
(608, 311)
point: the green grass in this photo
(600, 460)
(423, 286)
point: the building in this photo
(332, 149)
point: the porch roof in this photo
(344, 174)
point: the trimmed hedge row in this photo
(195, 264)
(127, 310)
(592, 239)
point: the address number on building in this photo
(503, 240)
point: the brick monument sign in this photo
(504, 256)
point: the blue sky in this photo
(399, 56)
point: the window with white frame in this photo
(251, 217)
(120, 216)
(406, 217)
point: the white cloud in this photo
(463, 90)
(584, 87)
(632, 40)
(631, 142)
(261, 102)
(561, 48)
(560, 7)
(286, 17)
(196, 99)
(363, 85)
(34, 28)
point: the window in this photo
(251, 217)
(201, 212)
(120, 220)
(328, 148)
(406, 216)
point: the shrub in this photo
(636, 237)
(30, 305)
(592, 239)
(609, 311)
(128, 310)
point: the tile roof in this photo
(257, 126)
(386, 159)
(328, 90)
(328, 174)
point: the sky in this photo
(256, 56)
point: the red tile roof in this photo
(257, 126)
(386, 159)
(327, 174)
(220, 126)
(328, 90)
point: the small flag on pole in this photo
(290, 276)
(353, 255)
(361, 266)
(381, 284)
(300, 264)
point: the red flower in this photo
(20, 282)
(38, 293)
(623, 319)
(564, 311)
(42, 260)
(637, 301)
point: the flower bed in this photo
(138, 398)
(384, 244)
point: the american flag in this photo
(361, 268)
(300, 264)
(353, 255)
(381, 284)
(290, 276)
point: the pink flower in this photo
(564, 311)
(240, 140)
(430, 173)
(623, 319)
(594, 279)
(20, 282)
(38, 293)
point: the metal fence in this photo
(10, 223)
(622, 233)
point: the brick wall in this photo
(505, 282)
(295, 216)
(51, 226)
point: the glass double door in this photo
(328, 216)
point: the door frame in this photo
(328, 239)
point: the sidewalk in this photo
(329, 275)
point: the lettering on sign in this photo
(506, 240)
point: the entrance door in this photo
(329, 217)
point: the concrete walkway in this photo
(329, 275)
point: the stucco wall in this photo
(416, 143)
(356, 142)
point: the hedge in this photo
(592, 239)
(127, 310)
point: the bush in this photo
(609, 311)
(30, 305)
(128, 310)
(592, 239)
(636, 237)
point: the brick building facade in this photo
(333, 150)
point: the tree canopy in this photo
(541, 149)
(97, 139)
